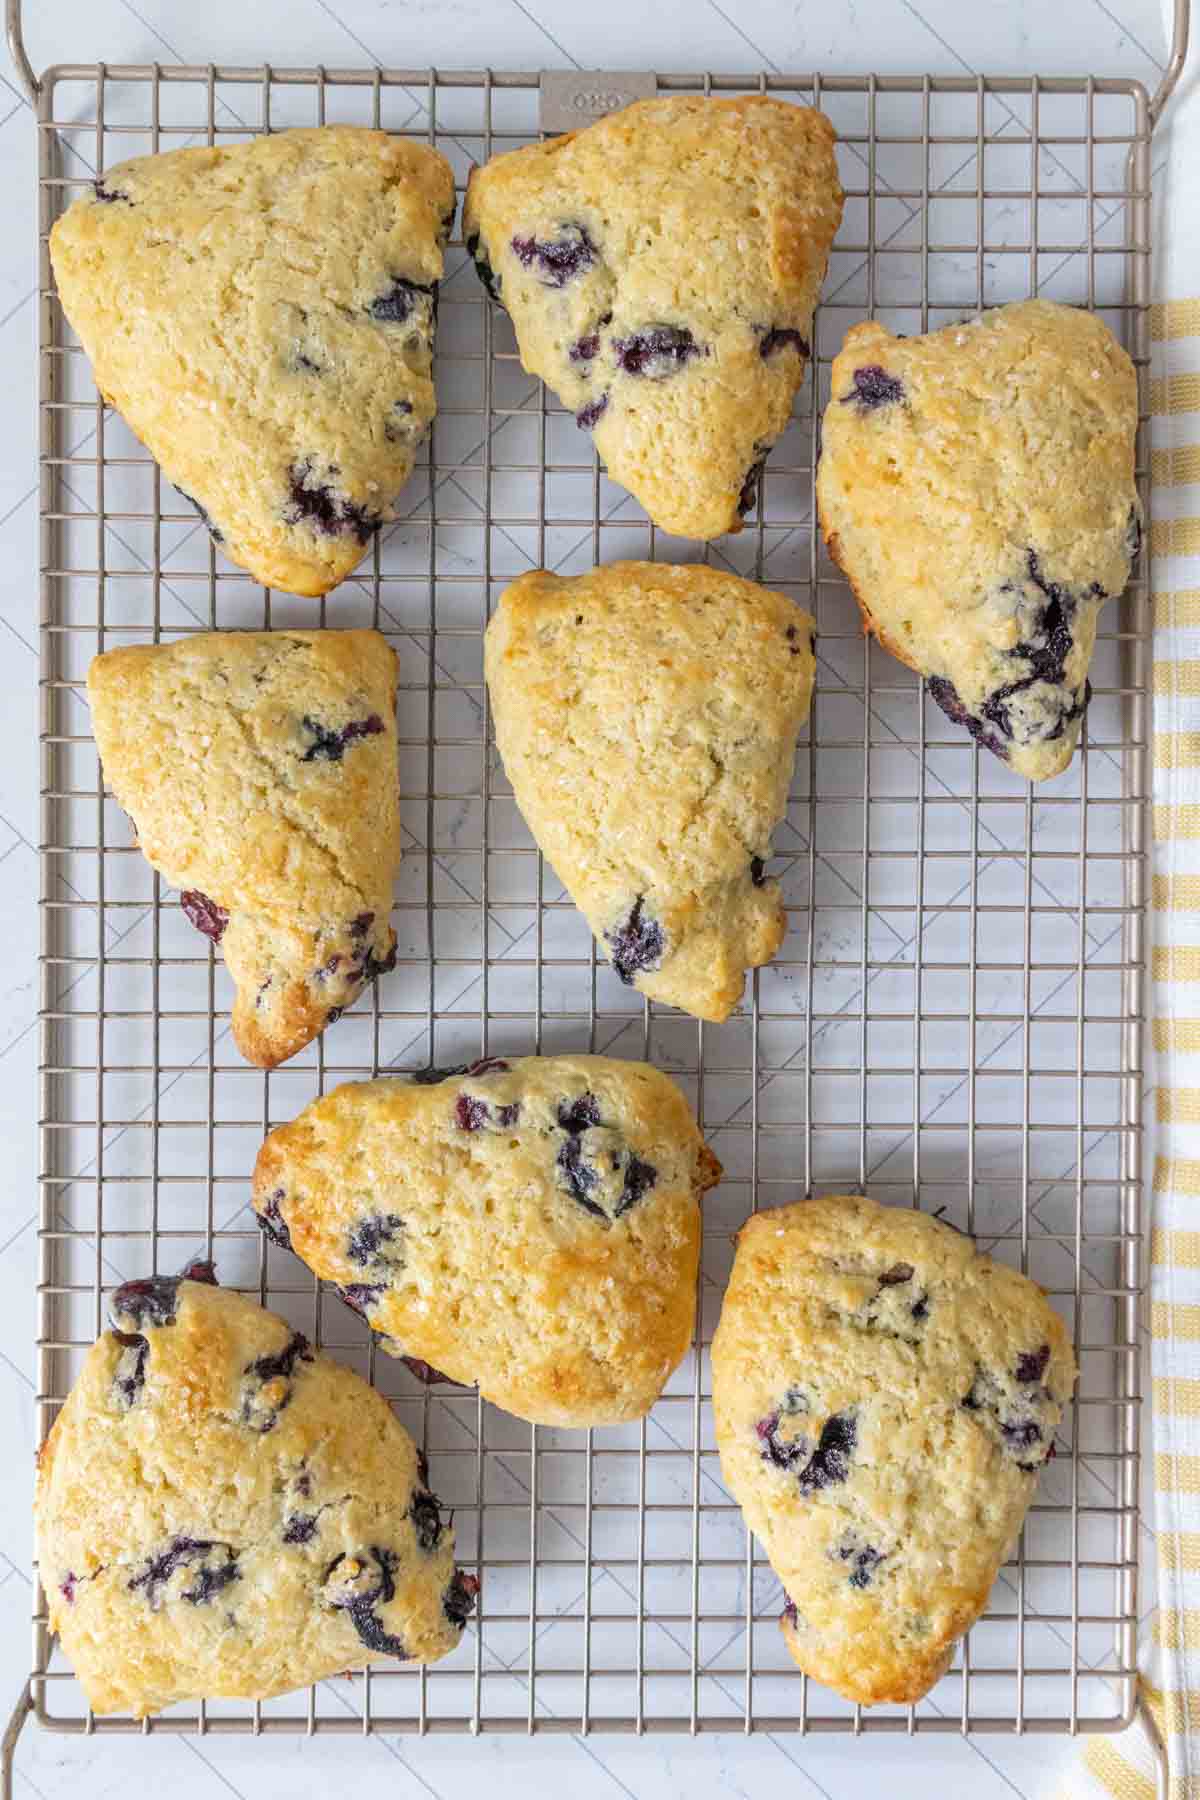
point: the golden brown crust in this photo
(647, 715)
(259, 769)
(262, 316)
(708, 219)
(976, 487)
(883, 1398)
(213, 1496)
(531, 1226)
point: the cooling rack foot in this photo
(12, 1731)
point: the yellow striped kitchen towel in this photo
(1128, 1766)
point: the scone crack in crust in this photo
(647, 715)
(259, 770)
(884, 1398)
(976, 486)
(255, 1519)
(661, 268)
(262, 315)
(530, 1225)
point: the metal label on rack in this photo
(574, 97)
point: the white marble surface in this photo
(1100, 36)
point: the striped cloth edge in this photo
(1125, 1767)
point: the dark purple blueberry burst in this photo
(398, 303)
(874, 387)
(361, 1296)
(365, 1244)
(656, 352)
(473, 1114)
(358, 1584)
(584, 349)
(587, 415)
(109, 195)
(267, 1383)
(318, 503)
(330, 745)
(780, 1452)
(215, 1564)
(1032, 1364)
(791, 1613)
(782, 337)
(154, 1299)
(458, 1602)
(947, 697)
(67, 1587)
(758, 871)
(129, 1377)
(576, 1115)
(864, 1559)
(749, 496)
(637, 944)
(272, 1221)
(426, 1515)
(830, 1461)
(300, 1528)
(484, 269)
(555, 261)
(204, 914)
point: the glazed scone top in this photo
(661, 268)
(259, 769)
(224, 1511)
(262, 316)
(647, 715)
(883, 1398)
(977, 487)
(528, 1225)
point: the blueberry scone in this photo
(259, 769)
(647, 715)
(224, 1512)
(262, 316)
(531, 1226)
(884, 1398)
(977, 488)
(661, 269)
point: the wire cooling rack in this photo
(953, 1021)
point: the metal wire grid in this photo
(953, 1020)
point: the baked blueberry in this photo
(204, 913)
(458, 1602)
(359, 1584)
(319, 503)
(874, 387)
(330, 746)
(587, 415)
(153, 1299)
(782, 337)
(267, 1383)
(273, 1222)
(366, 1242)
(300, 1528)
(107, 194)
(656, 351)
(636, 945)
(426, 1516)
(215, 1567)
(830, 1461)
(396, 305)
(556, 260)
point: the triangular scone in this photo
(532, 1226)
(661, 270)
(223, 1512)
(259, 769)
(884, 1398)
(262, 316)
(977, 488)
(647, 715)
